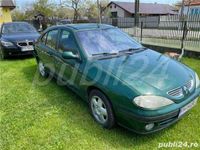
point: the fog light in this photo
(149, 126)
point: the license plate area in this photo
(27, 48)
(187, 107)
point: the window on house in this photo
(192, 12)
(111, 6)
(114, 14)
(196, 11)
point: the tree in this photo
(103, 5)
(18, 15)
(90, 9)
(75, 5)
(44, 7)
(178, 4)
(63, 12)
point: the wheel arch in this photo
(92, 87)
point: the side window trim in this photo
(60, 37)
(46, 34)
(55, 48)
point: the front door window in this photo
(67, 42)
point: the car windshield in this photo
(103, 41)
(17, 28)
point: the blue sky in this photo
(23, 3)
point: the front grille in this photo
(167, 121)
(22, 44)
(31, 43)
(179, 92)
(25, 43)
(189, 85)
(176, 92)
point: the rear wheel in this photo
(42, 69)
(101, 109)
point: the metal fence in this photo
(177, 37)
(168, 31)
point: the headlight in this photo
(197, 80)
(6, 43)
(152, 102)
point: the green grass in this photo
(52, 117)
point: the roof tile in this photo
(147, 8)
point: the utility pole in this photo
(99, 11)
(182, 7)
(189, 3)
(137, 9)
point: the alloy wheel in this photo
(99, 110)
(42, 69)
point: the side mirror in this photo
(69, 55)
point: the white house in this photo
(116, 9)
(192, 8)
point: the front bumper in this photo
(15, 51)
(137, 123)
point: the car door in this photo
(67, 69)
(48, 48)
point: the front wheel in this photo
(42, 69)
(101, 109)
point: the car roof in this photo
(86, 26)
(15, 22)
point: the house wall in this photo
(114, 8)
(193, 10)
(127, 15)
(5, 15)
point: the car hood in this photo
(147, 71)
(21, 36)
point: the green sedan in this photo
(123, 82)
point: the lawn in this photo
(35, 116)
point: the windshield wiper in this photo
(131, 50)
(104, 54)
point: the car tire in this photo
(101, 109)
(42, 69)
(2, 54)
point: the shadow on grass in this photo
(18, 57)
(64, 99)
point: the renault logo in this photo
(185, 90)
